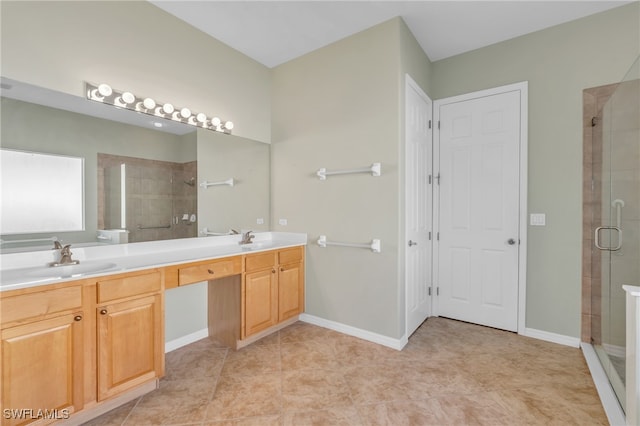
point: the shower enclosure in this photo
(614, 206)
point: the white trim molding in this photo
(560, 339)
(389, 342)
(186, 340)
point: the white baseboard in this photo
(619, 351)
(610, 403)
(561, 339)
(389, 342)
(185, 340)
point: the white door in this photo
(418, 205)
(479, 208)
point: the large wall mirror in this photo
(142, 175)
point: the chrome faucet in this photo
(247, 237)
(65, 255)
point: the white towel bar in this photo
(205, 232)
(374, 245)
(35, 240)
(206, 184)
(374, 169)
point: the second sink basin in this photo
(256, 246)
(65, 271)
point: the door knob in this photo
(511, 241)
(411, 243)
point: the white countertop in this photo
(28, 269)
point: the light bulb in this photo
(228, 125)
(185, 112)
(105, 90)
(127, 98)
(167, 108)
(149, 103)
(215, 121)
(201, 117)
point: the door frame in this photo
(523, 88)
(410, 83)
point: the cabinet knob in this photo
(77, 318)
(103, 312)
(281, 269)
(210, 271)
(273, 271)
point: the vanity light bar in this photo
(103, 93)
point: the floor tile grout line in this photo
(215, 387)
(124, 421)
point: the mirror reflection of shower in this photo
(150, 199)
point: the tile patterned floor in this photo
(450, 373)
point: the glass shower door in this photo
(616, 255)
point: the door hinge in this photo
(429, 179)
(438, 178)
(438, 236)
(437, 291)
(429, 123)
(429, 291)
(438, 124)
(429, 235)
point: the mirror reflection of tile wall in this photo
(160, 197)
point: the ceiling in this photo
(274, 32)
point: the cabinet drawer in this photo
(39, 304)
(210, 270)
(292, 255)
(256, 262)
(130, 285)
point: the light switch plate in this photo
(282, 221)
(260, 221)
(538, 219)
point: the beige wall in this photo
(558, 63)
(340, 108)
(221, 208)
(133, 45)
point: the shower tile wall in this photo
(158, 195)
(593, 102)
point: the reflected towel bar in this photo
(374, 169)
(206, 184)
(205, 232)
(140, 227)
(35, 240)
(374, 245)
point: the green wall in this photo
(340, 107)
(558, 63)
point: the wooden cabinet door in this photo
(42, 368)
(260, 300)
(130, 346)
(291, 291)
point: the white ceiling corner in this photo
(274, 32)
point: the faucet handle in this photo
(57, 245)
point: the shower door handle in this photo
(596, 238)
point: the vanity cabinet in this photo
(272, 289)
(42, 352)
(130, 332)
(259, 293)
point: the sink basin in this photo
(65, 271)
(256, 246)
